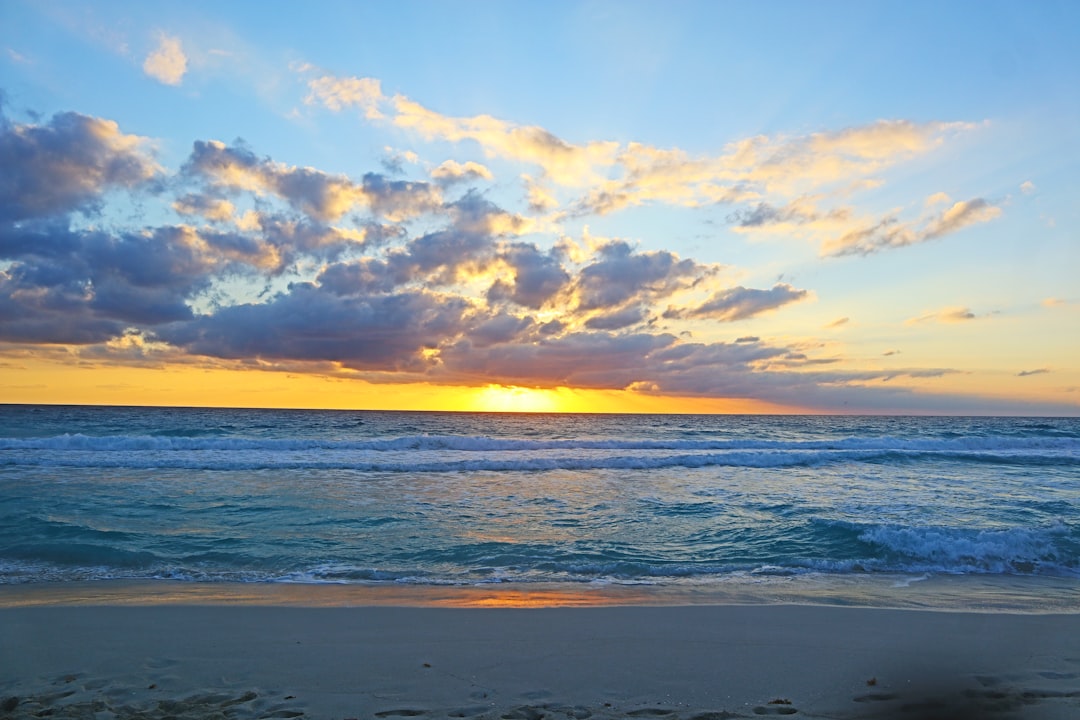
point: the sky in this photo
(807, 207)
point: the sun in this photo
(512, 398)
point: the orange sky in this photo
(57, 383)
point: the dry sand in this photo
(240, 661)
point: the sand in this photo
(706, 662)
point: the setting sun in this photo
(503, 398)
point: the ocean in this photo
(955, 512)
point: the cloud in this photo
(783, 177)
(541, 200)
(890, 232)
(339, 93)
(535, 277)
(386, 332)
(210, 208)
(394, 161)
(562, 162)
(389, 279)
(636, 173)
(65, 286)
(1027, 187)
(759, 166)
(740, 303)
(960, 215)
(619, 275)
(320, 195)
(617, 320)
(454, 172)
(583, 359)
(946, 315)
(67, 165)
(167, 63)
(838, 322)
(1026, 373)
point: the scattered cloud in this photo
(1027, 187)
(167, 63)
(451, 172)
(378, 276)
(959, 215)
(17, 57)
(760, 170)
(323, 196)
(890, 232)
(945, 315)
(1038, 371)
(340, 93)
(740, 303)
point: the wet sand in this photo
(215, 659)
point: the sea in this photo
(940, 512)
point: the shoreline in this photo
(704, 662)
(1024, 595)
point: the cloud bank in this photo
(375, 276)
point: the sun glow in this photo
(512, 398)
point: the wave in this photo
(959, 550)
(82, 442)
(526, 464)
(910, 551)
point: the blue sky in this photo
(835, 206)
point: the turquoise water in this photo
(197, 495)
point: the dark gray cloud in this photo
(617, 320)
(538, 277)
(68, 286)
(500, 329)
(740, 303)
(66, 165)
(365, 276)
(371, 332)
(621, 275)
(591, 360)
(1038, 371)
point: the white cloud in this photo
(167, 63)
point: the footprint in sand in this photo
(1049, 675)
(650, 712)
(406, 712)
(776, 707)
(468, 712)
(875, 697)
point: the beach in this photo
(198, 658)
(234, 564)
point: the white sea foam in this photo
(78, 441)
